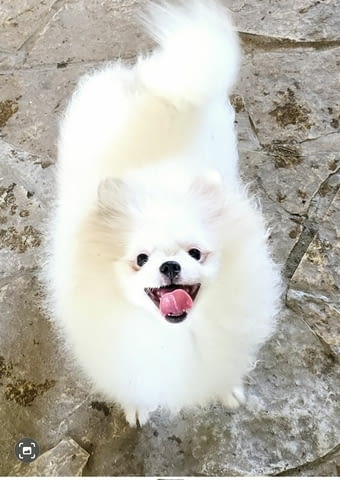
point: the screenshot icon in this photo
(27, 450)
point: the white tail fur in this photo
(198, 55)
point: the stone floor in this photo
(287, 103)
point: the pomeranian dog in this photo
(160, 275)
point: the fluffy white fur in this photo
(148, 164)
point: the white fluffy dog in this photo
(160, 275)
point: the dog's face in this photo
(169, 242)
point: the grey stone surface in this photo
(39, 97)
(328, 466)
(66, 36)
(19, 21)
(288, 125)
(65, 459)
(286, 95)
(314, 288)
(25, 191)
(297, 21)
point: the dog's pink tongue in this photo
(175, 303)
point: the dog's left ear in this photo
(208, 191)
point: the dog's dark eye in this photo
(141, 259)
(195, 253)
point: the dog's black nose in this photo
(170, 269)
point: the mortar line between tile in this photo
(268, 42)
(291, 471)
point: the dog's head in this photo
(162, 243)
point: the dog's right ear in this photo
(112, 196)
(104, 230)
(109, 189)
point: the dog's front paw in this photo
(136, 418)
(235, 398)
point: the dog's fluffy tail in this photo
(198, 55)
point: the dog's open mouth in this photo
(174, 301)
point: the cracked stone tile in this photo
(305, 20)
(328, 466)
(39, 97)
(11, 60)
(19, 20)
(25, 191)
(315, 161)
(27, 376)
(292, 96)
(318, 206)
(42, 395)
(284, 228)
(279, 192)
(309, 20)
(314, 288)
(90, 31)
(275, 155)
(65, 459)
(287, 105)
